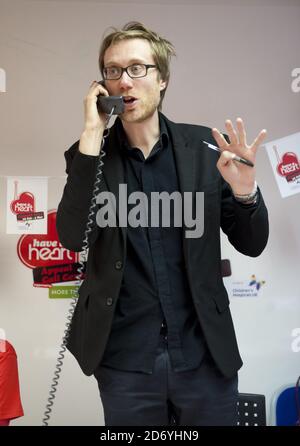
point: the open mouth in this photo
(129, 99)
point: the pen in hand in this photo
(236, 158)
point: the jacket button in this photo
(109, 301)
(118, 264)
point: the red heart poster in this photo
(27, 205)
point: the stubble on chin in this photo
(139, 116)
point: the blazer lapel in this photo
(185, 160)
(113, 171)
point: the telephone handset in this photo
(108, 103)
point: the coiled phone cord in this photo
(82, 260)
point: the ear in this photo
(163, 84)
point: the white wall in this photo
(234, 58)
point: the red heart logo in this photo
(288, 165)
(24, 204)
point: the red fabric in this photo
(10, 401)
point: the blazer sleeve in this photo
(73, 209)
(247, 226)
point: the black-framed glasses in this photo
(133, 71)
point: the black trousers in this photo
(199, 397)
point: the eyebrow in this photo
(131, 62)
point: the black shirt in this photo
(155, 294)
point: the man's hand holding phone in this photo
(94, 121)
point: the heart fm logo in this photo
(23, 204)
(288, 166)
(44, 250)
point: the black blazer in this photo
(246, 228)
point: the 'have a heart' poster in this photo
(26, 210)
(284, 155)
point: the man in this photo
(153, 322)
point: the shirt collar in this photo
(123, 141)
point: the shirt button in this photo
(118, 264)
(109, 301)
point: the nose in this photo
(125, 81)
